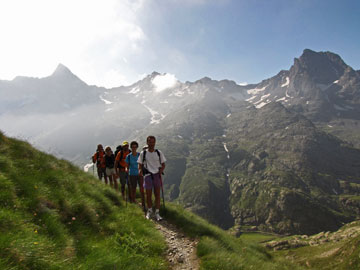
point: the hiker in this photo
(99, 159)
(151, 165)
(110, 170)
(133, 173)
(120, 165)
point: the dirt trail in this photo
(181, 252)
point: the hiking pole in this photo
(126, 184)
(129, 187)
(162, 191)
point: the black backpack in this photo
(118, 149)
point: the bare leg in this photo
(148, 198)
(110, 179)
(133, 193)
(157, 197)
(115, 182)
(106, 178)
(99, 173)
(142, 191)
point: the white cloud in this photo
(91, 37)
(162, 82)
(199, 2)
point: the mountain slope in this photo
(320, 86)
(286, 175)
(231, 149)
(268, 167)
(53, 216)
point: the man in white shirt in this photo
(151, 166)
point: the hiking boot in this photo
(149, 213)
(157, 215)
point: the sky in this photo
(117, 42)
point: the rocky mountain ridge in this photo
(281, 155)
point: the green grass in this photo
(255, 237)
(54, 216)
(218, 249)
(343, 255)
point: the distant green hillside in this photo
(268, 169)
(323, 251)
(53, 216)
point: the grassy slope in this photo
(218, 249)
(53, 216)
(330, 255)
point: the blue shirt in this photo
(133, 165)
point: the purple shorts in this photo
(151, 181)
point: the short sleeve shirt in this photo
(131, 160)
(122, 162)
(152, 161)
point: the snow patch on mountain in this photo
(107, 102)
(262, 98)
(262, 104)
(163, 82)
(286, 83)
(255, 91)
(134, 90)
(227, 150)
(179, 93)
(287, 94)
(249, 99)
(155, 116)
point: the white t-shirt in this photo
(152, 162)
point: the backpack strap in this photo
(158, 153)
(144, 156)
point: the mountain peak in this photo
(154, 74)
(204, 80)
(323, 67)
(61, 70)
